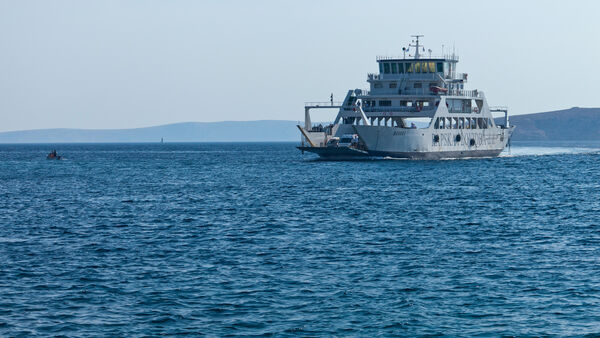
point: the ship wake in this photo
(544, 151)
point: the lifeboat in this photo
(437, 89)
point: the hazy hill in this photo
(561, 125)
(231, 131)
(569, 124)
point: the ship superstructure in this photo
(416, 107)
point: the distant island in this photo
(573, 124)
(230, 131)
(561, 125)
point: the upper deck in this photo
(416, 75)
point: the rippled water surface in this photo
(253, 239)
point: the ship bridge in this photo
(416, 75)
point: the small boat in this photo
(53, 156)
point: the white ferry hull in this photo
(437, 155)
(381, 141)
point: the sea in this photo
(258, 239)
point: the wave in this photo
(543, 151)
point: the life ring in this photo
(476, 109)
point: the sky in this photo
(126, 64)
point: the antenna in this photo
(453, 49)
(416, 45)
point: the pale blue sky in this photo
(122, 64)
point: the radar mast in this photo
(416, 45)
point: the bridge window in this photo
(380, 68)
(409, 68)
(440, 67)
(401, 67)
(394, 68)
(385, 103)
(386, 68)
(417, 67)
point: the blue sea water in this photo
(257, 239)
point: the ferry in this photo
(416, 107)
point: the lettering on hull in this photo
(449, 139)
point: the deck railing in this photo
(398, 109)
(323, 104)
(425, 92)
(422, 56)
(462, 92)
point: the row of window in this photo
(455, 106)
(388, 103)
(462, 123)
(410, 67)
(395, 85)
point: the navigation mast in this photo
(416, 45)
